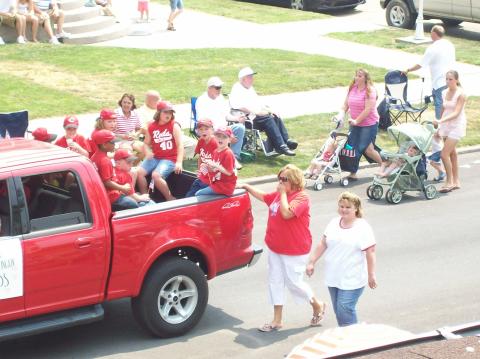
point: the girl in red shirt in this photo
(164, 137)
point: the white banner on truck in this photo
(11, 268)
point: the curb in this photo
(363, 164)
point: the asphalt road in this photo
(427, 272)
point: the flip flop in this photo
(317, 319)
(455, 187)
(266, 328)
(446, 189)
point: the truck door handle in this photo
(83, 242)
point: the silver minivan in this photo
(403, 13)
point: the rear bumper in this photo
(257, 252)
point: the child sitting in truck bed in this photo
(206, 146)
(221, 168)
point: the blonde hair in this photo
(455, 76)
(368, 81)
(294, 175)
(353, 199)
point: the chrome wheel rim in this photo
(177, 299)
(397, 16)
(296, 4)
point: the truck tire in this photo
(451, 22)
(398, 14)
(299, 4)
(173, 298)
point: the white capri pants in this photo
(287, 271)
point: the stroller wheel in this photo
(394, 196)
(369, 191)
(328, 179)
(344, 182)
(376, 191)
(317, 186)
(430, 191)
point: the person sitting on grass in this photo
(391, 167)
(118, 194)
(206, 146)
(221, 168)
(123, 166)
(164, 137)
(72, 140)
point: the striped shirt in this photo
(43, 5)
(356, 104)
(126, 125)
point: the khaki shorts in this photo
(8, 20)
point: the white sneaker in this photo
(65, 35)
(1, 41)
(21, 40)
(54, 41)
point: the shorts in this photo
(176, 4)
(142, 5)
(435, 157)
(161, 166)
(8, 20)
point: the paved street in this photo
(427, 272)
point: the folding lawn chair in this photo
(14, 124)
(193, 117)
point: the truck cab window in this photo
(54, 200)
(4, 210)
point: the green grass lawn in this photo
(78, 79)
(242, 10)
(466, 50)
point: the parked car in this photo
(318, 5)
(403, 13)
(63, 252)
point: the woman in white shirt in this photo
(349, 247)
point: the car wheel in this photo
(451, 22)
(173, 298)
(298, 4)
(399, 15)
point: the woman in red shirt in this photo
(164, 137)
(289, 242)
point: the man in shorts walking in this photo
(176, 7)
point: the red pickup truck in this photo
(63, 251)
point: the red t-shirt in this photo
(288, 236)
(105, 170)
(93, 146)
(205, 151)
(124, 177)
(62, 142)
(162, 141)
(220, 182)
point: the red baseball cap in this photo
(108, 114)
(165, 106)
(103, 136)
(204, 122)
(41, 134)
(123, 154)
(70, 122)
(226, 131)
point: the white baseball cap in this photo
(214, 81)
(246, 71)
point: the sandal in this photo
(446, 189)
(266, 328)
(318, 318)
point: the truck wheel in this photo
(399, 15)
(173, 298)
(451, 22)
(298, 4)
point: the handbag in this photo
(348, 158)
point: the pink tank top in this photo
(356, 104)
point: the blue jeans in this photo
(438, 100)
(124, 202)
(359, 138)
(344, 302)
(205, 191)
(162, 167)
(196, 186)
(238, 130)
(176, 4)
(274, 128)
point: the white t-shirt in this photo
(145, 114)
(241, 97)
(7, 5)
(440, 57)
(345, 259)
(213, 109)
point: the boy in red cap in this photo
(221, 168)
(117, 193)
(164, 136)
(107, 120)
(123, 165)
(206, 146)
(72, 140)
(41, 134)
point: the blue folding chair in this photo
(13, 123)
(193, 117)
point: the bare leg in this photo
(34, 21)
(142, 181)
(162, 186)
(437, 166)
(454, 161)
(448, 147)
(48, 28)
(277, 316)
(20, 25)
(373, 154)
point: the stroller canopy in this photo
(421, 135)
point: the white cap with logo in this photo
(214, 81)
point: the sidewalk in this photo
(200, 30)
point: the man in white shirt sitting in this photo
(243, 97)
(51, 9)
(212, 105)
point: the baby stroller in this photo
(331, 160)
(411, 174)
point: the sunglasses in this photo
(282, 179)
(217, 87)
